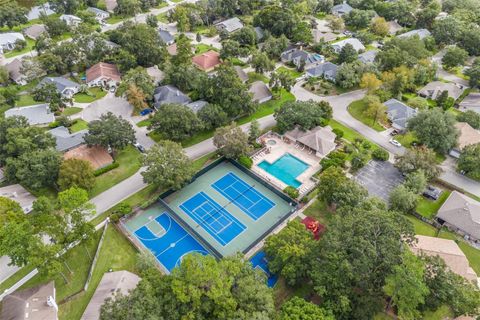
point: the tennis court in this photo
(217, 221)
(243, 195)
(259, 262)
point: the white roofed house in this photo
(230, 25)
(325, 70)
(20, 195)
(169, 94)
(65, 140)
(341, 9)
(299, 57)
(100, 15)
(39, 114)
(71, 20)
(471, 102)
(37, 11)
(8, 40)
(421, 33)
(65, 87)
(354, 42)
(166, 37)
(399, 114)
(368, 56)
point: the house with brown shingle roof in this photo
(461, 214)
(449, 251)
(14, 71)
(468, 135)
(433, 89)
(34, 31)
(104, 75)
(96, 155)
(319, 139)
(207, 61)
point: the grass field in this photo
(92, 95)
(162, 17)
(428, 208)
(292, 72)
(115, 19)
(318, 210)
(79, 124)
(70, 111)
(253, 76)
(357, 110)
(28, 48)
(26, 100)
(129, 160)
(422, 228)
(202, 48)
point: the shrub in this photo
(366, 145)
(246, 161)
(335, 158)
(105, 169)
(114, 218)
(292, 192)
(123, 209)
(359, 161)
(348, 149)
(380, 154)
(339, 133)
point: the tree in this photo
(54, 26)
(306, 115)
(469, 160)
(406, 287)
(200, 288)
(370, 82)
(435, 129)
(152, 20)
(339, 191)
(140, 79)
(231, 141)
(280, 80)
(454, 57)
(48, 93)
(416, 181)
(175, 122)
(181, 16)
(335, 23)
(474, 74)
(246, 36)
(230, 49)
(110, 131)
(444, 101)
(300, 309)
(76, 172)
(358, 251)
(127, 8)
(471, 117)
(4, 76)
(403, 199)
(379, 26)
(348, 75)
(418, 103)
(184, 50)
(375, 109)
(348, 54)
(276, 20)
(212, 116)
(415, 159)
(167, 166)
(262, 63)
(253, 131)
(289, 252)
(302, 33)
(12, 15)
(136, 97)
(359, 19)
(274, 47)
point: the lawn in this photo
(202, 48)
(144, 123)
(28, 48)
(91, 95)
(115, 19)
(473, 255)
(70, 111)
(292, 72)
(129, 160)
(428, 208)
(422, 228)
(318, 210)
(162, 17)
(79, 124)
(26, 100)
(253, 76)
(406, 139)
(357, 110)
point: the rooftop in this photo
(471, 101)
(35, 30)
(169, 94)
(37, 114)
(59, 82)
(368, 56)
(14, 68)
(327, 69)
(260, 91)
(96, 155)
(36, 11)
(196, 106)
(354, 42)
(207, 61)
(165, 36)
(19, 194)
(399, 113)
(103, 70)
(10, 37)
(231, 25)
(320, 139)
(421, 33)
(66, 140)
(434, 88)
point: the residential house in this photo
(467, 136)
(461, 214)
(169, 94)
(399, 114)
(368, 56)
(37, 11)
(394, 27)
(320, 140)
(341, 9)
(230, 25)
(325, 70)
(300, 58)
(421, 33)
(260, 33)
(39, 114)
(37, 303)
(14, 71)
(100, 15)
(65, 140)
(196, 106)
(20, 195)
(34, 31)
(241, 73)
(157, 74)
(207, 61)
(261, 93)
(319, 35)
(172, 49)
(435, 88)
(65, 87)
(354, 42)
(166, 37)
(111, 285)
(9, 39)
(71, 20)
(96, 155)
(449, 251)
(105, 75)
(471, 102)
(110, 5)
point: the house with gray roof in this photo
(399, 114)
(19, 194)
(325, 70)
(461, 214)
(70, 20)
(9, 39)
(166, 37)
(341, 9)
(368, 56)
(471, 102)
(39, 114)
(100, 15)
(241, 73)
(34, 31)
(435, 88)
(37, 11)
(65, 87)
(261, 93)
(230, 25)
(14, 71)
(394, 27)
(196, 106)
(169, 94)
(320, 35)
(297, 56)
(354, 42)
(421, 33)
(66, 140)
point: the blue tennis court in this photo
(217, 221)
(259, 261)
(243, 195)
(168, 241)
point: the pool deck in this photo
(278, 150)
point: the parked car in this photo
(394, 133)
(140, 147)
(145, 112)
(432, 192)
(395, 143)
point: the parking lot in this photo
(379, 178)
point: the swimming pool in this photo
(286, 169)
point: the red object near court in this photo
(314, 226)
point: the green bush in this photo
(366, 145)
(334, 159)
(105, 169)
(339, 133)
(359, 161)
(292, 192)
(245, 161)
(123, 209)
(114, 218)
(380, 154)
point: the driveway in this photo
(451, 176)
(442, 73)
(379, 178)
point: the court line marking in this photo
(145, 225)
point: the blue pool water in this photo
(286, 169)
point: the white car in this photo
(395, 143)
